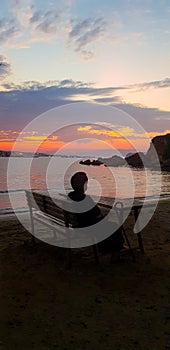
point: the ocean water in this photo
(55, 173)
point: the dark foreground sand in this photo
(121, 306)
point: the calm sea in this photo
(55, 173)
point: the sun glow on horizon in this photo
(93, 139)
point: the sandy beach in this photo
(121, 306)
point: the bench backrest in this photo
(55, 208)
(47, 205)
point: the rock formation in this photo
(91, 162)
(161, 144)
(136, 160)
(113, 161)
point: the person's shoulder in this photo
(89, 198)
(76, 196)
(91, 201)
(70, 194)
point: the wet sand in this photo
(121, 306)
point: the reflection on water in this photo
(56, 172)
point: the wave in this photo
(11, 191)
(25, 189)
(9, 211)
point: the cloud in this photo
(153, 84)
(72, 83)
(46, 22)
(79, 27)
(87, 55)
(64, 88)
(27, 24)
(22, 103)
(152, 119)
(8, 30)
(108, 100)
(18, 3)
(24, 24)
(86, 31)
(99, 132)
(36, 17)
(119, 132)
(35, 138)
(5, 67)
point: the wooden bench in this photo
(44, 210)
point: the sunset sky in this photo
(58, 52)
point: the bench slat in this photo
(53, 209)
(39, 216)
(35, 200)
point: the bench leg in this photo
(128, 243)
(32, 226)
(139, 235)
(140, 241)
(69, 258)
(95, 252)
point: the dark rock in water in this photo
(129, 154)
(136, 160)
(113, 161)
(89, 162)
(96, 162)
(85, 162)
(5, 154)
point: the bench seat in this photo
(53, 215)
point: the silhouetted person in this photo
(113, 243)
(79, 184)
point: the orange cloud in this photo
(124, 138)
(50, 146)
(118, 139)
(155, 133)
(121, 132)
(34, 138)
(88, 129)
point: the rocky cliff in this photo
(136, 160)
(162, 146)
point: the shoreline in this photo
(5, 211)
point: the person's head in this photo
(79, 182)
